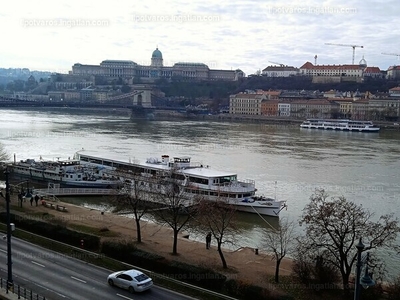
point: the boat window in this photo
(198, 180)
(178, 176)
(227, 179)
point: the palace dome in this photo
(156, 54)
(363, 62)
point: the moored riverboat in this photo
(197, 181)
(340, 124)
(66, 172)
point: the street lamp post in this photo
(366, 280)
(9, 261)
(360, 247)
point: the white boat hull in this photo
(340, 125)
(262, 208)
(373, 129)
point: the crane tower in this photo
(395, 54)
(345, 45)
(275, 63)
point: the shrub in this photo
(324, 272)
(55, 231)
(393, 289)
(120, 250)
(127, 251)
(245, 290)
(196, 275)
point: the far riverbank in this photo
(253, 118)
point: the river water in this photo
(285, 161)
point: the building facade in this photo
(269, 108)
(354, 106)
(308, 69)
(130, 69)
(394, 92)
(393, 72)
(315, 108)
(284, 109)
(246, 104)
(280, 71)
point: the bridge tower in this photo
(142, 97)
(142, 106)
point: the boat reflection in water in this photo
(249, 221)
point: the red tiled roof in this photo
(247, 96)
(341, 99)
(394, 68)
(313, 102)
(269, 92)
(395, 89)
(361, 101)
(309, 65)
(270, 101)
(372, 70)
(279, 68)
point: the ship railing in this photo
(237, 189)
(52, 192)
(240, 183)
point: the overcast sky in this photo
(244, 34)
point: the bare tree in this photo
(219, 218)
(4, 156)
(335, 225)
(135, 195)
(174, 211)
(279, 241)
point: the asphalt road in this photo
(57, 277)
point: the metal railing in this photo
(74, 191)
(19, 291)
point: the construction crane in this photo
(345, 45)
(395, 54)
(275, 63)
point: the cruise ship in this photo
(340, 124)
(196, 181)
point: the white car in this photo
(131, 280)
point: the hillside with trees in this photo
(222, 89)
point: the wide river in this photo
(285, 161)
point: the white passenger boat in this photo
(196, 180)
(340, 124)
(66, 172)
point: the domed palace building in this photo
(181, 70)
